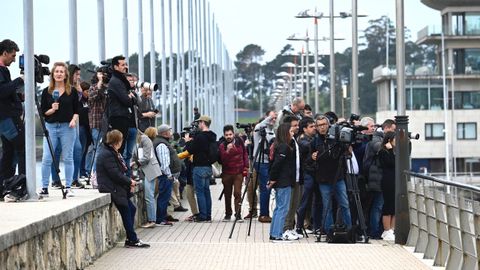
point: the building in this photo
(424, 91)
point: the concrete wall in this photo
(71, 245)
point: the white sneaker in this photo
(299, 236)
(70, 193)
(384, 234)
(389, 236)
(289, 236)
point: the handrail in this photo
(445, 182)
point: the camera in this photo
(150, 86)
(247, 127)
(40, 70)
(346, 133)
(413, 136)
(107, 70)
(192, 129)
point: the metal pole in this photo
(72, 8)
(211, 89)
(101, 30)
(307, 64)
(164, 64)
(205, 55)
(171, 83)
(402, 162)
(354, 101)
(182, 69)
(315, 57)
(387, 45)
(302, 72)
(179, 92)
(141, 64)
(191, 67)
(197, 58)
(445, 110)
(30, 157)
(125, 31)
(153, 59)
(332, 60)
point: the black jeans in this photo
(13, 147)
(310, 192)
(128, 217)
(121, 124)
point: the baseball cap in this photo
(204, 118)
(162, 128)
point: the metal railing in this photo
(444, 221)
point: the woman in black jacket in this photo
(282, 178)
(386, 156)
(111, 179)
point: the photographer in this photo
(265, 127)
(329, 174)
(295, 109)
(12, 130)
(202, 166)
(146, 108)
(121, 99)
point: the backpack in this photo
(213, 153)
(15, 187)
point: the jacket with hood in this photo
(235, 160)
(198, 147)
(10, 102)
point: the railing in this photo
(444, 221)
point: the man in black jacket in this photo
(12, 132)
(120, 99)
(202, 166)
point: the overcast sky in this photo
(266, 23)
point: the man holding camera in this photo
(147, 111)
(329, 173)
(12, 130)
(199, 147)
(121, 99)
(263, 130)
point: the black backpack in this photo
(213, 153)
(16, 186)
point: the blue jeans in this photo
(130, 142)
(342, 200)
(282, 202)
(91, 149)
(59, 132)
(58, 153)
(309, 188)
(77, 154)
(128, 217)
(376, 213)
(201, 182)
(164, 193)
(149, 190)
(264, 191)
(83, 141)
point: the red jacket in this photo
(235, 160)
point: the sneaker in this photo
(295, 233)
(77, 184)
(171, 219)
(70, 192)
(180, 209)
(265, 219)
(57, 185)
(148, 225)
(289, 236)
(238, 218)
(249, 216)
(299, 231)
(227, 218)
(199, 219)
(43, 192)
(10, 198)
(164, 224)
(309, 231)
(136, 244)
(280, 240)
(389, 236)
(190, 218)
(384, 234)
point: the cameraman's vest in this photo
(175, 163)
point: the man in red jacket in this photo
(234, 160)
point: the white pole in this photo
(183, 71)
(30, 149)
(332, 60)
(209, 67)
(141, 64)
(302, 72)
(179, 68)
(354, 107)
(315, 57)
(307, 65)
(153, 73)
(164, 65)
(445, 111)
(197, 58)
(387, 45)
(125, 30)
(72, 8)
(171, 83)
(101, 30)
(191, 67)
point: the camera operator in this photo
(329, 173)
(265, 127)
(295, 109)
(12, 130)
(147, 110)
(202, 166)
(374, 181)
(120, 99)
(131, 141)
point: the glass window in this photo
(472, 23)
(457, 24)
(434, 131)
(472, 61)
(466, 131)
(420, 99)
(467, 100)
(436, 99)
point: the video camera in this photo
(192, 129)
(346, 132)
(150, 86)
(107, 70)
(40, 70)
(247, 127)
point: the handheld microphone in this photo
(56, 95)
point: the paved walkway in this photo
(206, 246)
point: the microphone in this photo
(56, 95)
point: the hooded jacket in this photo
(198, 147)
(235, 160)
(10, 103)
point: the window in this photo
(420, 99)
(467, 100)
(434, 131)
(472, 23)
(466, 131)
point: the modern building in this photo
(425, 96)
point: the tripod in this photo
(50, 146)
(259, 157)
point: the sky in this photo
(266, 23)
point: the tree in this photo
(249, 66)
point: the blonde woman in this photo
(60, 108)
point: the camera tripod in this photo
(259, 157)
